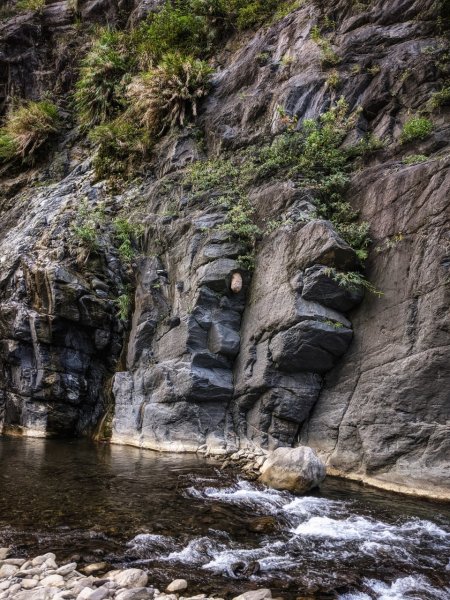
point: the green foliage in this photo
(85, 225)
(414, 159)
(103, 76)
(175, 28)
(313, 156)
(27, 128)
(25, 5)
(438, 99)
(329, 57)
(352, 281)
(239, 225)
(168, 94)
(416, 128)
(333, 80)
(121, 145)
(126, 235)
(8, 148)
(123, 303)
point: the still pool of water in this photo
(179, 516)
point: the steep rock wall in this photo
(285, 358)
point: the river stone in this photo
(178, 585)
(255, 595)
(295, 469)
(129, 577)
(66, 569)
(4, 552)
(95, 568)
(142, 593)
(8, 570)
(99, 594)
(39, 593)
(40, 560)
(53, 581)
(29, 584)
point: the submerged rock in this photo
(295, 469)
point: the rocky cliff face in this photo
(215, 357)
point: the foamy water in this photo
(318, 537)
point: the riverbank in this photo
(41, 578)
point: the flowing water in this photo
(179, 516)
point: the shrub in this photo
(172, 29)
(123, 303)
(121, 145)
(168, 94)
(416, 128)
(438, 99)
(27, 129)
(101, 86)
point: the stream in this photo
(180, 516)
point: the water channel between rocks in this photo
(179, 516)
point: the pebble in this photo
(53, 581)
(42, 579)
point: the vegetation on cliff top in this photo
(137, 84)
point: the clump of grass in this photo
(438, 99)
(416, 128)
(123, 303)
(174, 28)
(100, 90)
(126, 234)
(414, 159)
(333, 80)
(168, 94)
(329, 58)
(27, 128)
(352, 281)
(121, 146)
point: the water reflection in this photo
(180, 516)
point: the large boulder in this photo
(295, 469)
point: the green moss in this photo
(25, 5)
(414, 159)
(416, 128)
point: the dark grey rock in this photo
(320, 287)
